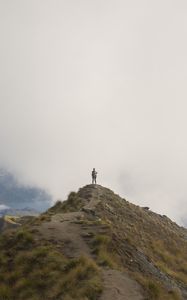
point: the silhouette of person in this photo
(94, 176)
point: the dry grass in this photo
(154, 290)
(72, 204)
(171, 259)
(82, 279)
(30, 270)
(160, 240)
(101, 247)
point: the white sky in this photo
(99, 84)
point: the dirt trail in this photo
(66, 229)
(94, 200)
(120, 286)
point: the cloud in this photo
(15, 195)
(96, 84)
(2, 207)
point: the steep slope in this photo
(95, 245)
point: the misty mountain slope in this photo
(19, 212)
(15, 195)
(94, 245)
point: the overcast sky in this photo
(99, 84)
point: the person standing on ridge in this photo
(94, 176)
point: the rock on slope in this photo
(95, 245)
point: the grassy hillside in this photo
(35, 269)
(95, 245)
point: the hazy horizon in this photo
(96, 84)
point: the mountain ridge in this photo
(103, 247)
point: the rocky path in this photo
(66, 229)
(119, 286)
(94, 200)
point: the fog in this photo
(2, 207)
(99, 84)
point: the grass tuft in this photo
(37, 272)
